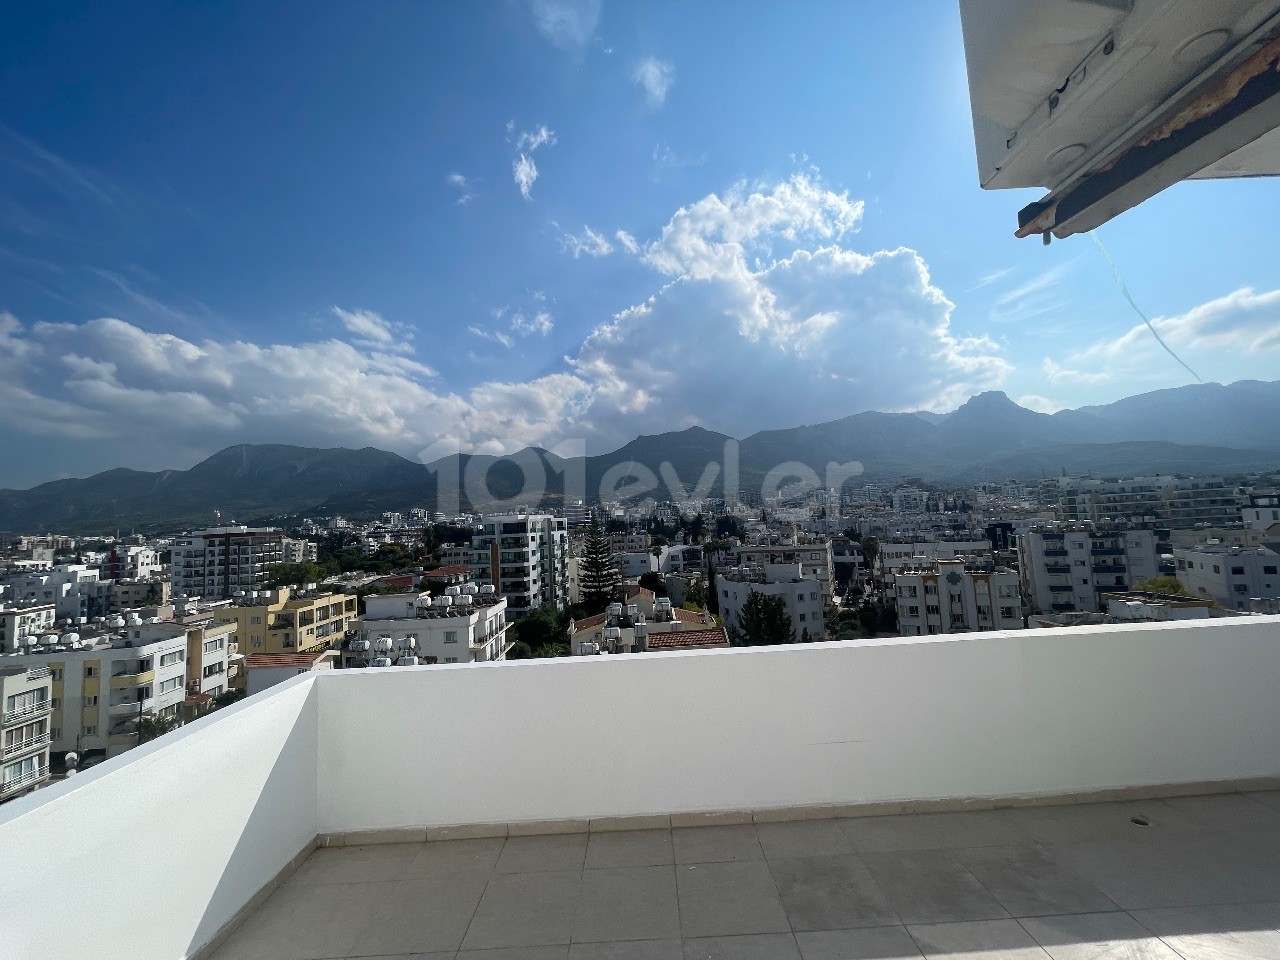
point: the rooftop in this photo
(1077, 793)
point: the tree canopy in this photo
(598, 572)
(762, 621)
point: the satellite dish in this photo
(71, 759)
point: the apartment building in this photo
(894, 554)
(802, 595)
(812, 554)
(1180, 502)
(1066, 567)
(298, 551)
(1262, 510)
(72, 588)
(466, 624)
(525, 558)
(20, 624)
(222, 561)
(956, 596)
(131, 563)
(287, 621)
(25, 702)
(1233, 576)
(131, 594)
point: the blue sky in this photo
(305, 223)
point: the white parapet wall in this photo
(1012, 714)
(149, 855)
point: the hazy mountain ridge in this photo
(1197, 428)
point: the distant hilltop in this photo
(1202, 428)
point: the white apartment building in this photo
(802, 595)
(72, 588)
(101, 685)
(1180, 502)
(525, 558)
(17, 624)
(813, 554)
(1066, 567)
(892, 555)
(298, 551)
(1233, 576)
(956, 596)
(466, 624)
(214, 564)
(25, 702)
(1262, 511)
(910, 499)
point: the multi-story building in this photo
(801, 594)
(1178, 502)
(813, 554)
(74, 589)
(19, 623)
(892, 555)
(465, 624)
(298, 551)
(219, 563)
(131, 563)
(525, 558)
(131, 594)
(956, 596)
(1067, 567)
(25, 702)
(1233, 576)
(1262, 510)
(285, 621)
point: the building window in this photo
(90, 701)
(170, 658)
(91, 731)
(451, 636)
(90, 670)
(55, 674)
(450, 659)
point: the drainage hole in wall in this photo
(1140, 821)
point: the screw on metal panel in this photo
(1046, 237)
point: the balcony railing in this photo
(816, 726)
(22, 781)
(32, 710)
(24, 746)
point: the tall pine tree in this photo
(598, 572)
(762, 621)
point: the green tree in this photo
(696, 594)
(870, 550)
(729, 526)
(654, 582)
(1166, 585)
(149, 728)
(540, 628)
(711, 595)
(520, 651)
(552, 650)
(762, 621)
(598, 571)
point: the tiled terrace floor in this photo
(1200, 881)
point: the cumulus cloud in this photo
(655, 77)
(1033, 401)
(567, 24)
(588, 242)
(525, 172)
(762, 315)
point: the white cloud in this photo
(1039, 296)
(464, 187)
(1224, 339)
(656, 78)
(531, 140)
(761, 316)
(526, 326)
(1033, 401)
(525, 172)
(371, 330)
(567, 24)
(588, 242)
(628, 241)
(497, 336)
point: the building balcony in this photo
(26, 746)
(16, 785)
(121, 681)
(1055, 553)
(872, 799)
(25, 713)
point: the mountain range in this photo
(1204, 428)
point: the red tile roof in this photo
(586, 623)
(457, 570)
(688, 616)
(676, 639)
(633, 592)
